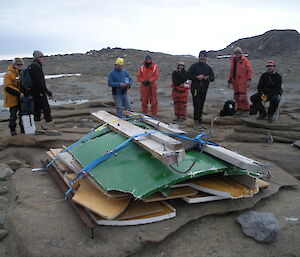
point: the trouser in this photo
(41, 104)
(120, 102)
(198, 103)
(14, 111)
(241, 100)
(180, 99)
(258, 105)
(240, 96)
(149, 94)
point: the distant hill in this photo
(271, 43)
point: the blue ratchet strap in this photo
(195, 139)
(101, 159)
(81, 139)
(67, 149)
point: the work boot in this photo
(49, 127)
(198, 125)
(13, 133)
(261, 116)
(270, 118)
(39, 128)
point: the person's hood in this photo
(151, 65)
(11, 68)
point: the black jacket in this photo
(197, 69)
(179, 77)
(38, 78)
(270, 84)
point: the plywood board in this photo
(236, 159)
(94, 200)
(223, 187)
(72, 163)
(177, 192)
(246, 180)
(139, 209)
(162, 147)
(261, 183)
(155, 123)
(202, 197)
(68, 160)
(52, 154)
(167, 212)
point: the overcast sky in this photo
(169, 26)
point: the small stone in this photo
(262, 226)
(3, 233)
(5, 173)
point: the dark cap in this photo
(203, 52)
(148, 57)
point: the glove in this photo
(146, 83)
(263, 98)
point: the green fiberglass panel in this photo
(134, 170)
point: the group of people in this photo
(120, 81)
(15, 93)
(196, 80)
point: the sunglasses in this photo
(19, 64)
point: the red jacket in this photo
(243, 71)
(150, 73)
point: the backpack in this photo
(27, 105)
(25, 79)
(229, 108)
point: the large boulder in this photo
(262, 226)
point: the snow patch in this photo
(2, 74)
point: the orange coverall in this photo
(148, 92)
(180, 99)
(239, 81)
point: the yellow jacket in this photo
(11, 80)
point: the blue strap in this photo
(101, 159)
(196, 139)
(80, 140)
(68, 148)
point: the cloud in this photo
(172, 26)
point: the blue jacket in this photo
(116, 77)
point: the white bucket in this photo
(28, 123)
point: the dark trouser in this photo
(256, 100)
(198, 103)
(41, 103)
(13, 118)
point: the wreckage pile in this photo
(124, 171)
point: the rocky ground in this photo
(36, 221)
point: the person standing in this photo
(40, 94)
(147, 76)
(120, 81)
(269, 89)
(180, 91)
(12, 94)
(201, 75)
(240, 77)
